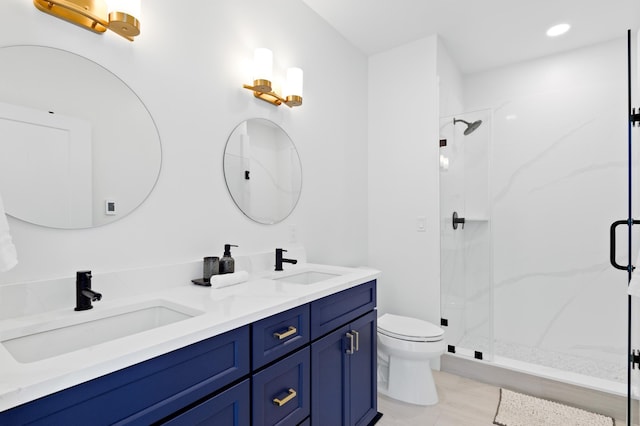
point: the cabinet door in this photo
(230, 408)
(329, 380)
(363, 401)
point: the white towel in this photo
(225, 280)
(8, 255)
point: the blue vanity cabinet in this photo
(291, 368)
(281, 393)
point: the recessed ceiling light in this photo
(557, 30)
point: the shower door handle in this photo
(612, 243)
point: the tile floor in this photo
(463, 402)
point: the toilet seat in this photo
(409, 329)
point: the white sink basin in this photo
(308, 277)
(46, 340)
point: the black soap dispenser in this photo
(227, 264)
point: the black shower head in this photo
(470, 126)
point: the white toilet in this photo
(405, 347)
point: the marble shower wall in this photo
(558, 178)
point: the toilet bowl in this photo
(405, 348)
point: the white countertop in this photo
(222, 310)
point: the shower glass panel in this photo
(465, 234)
(633, 377)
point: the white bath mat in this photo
(516, 409)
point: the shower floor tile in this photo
(609, 368)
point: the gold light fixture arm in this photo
(272, 97)
(267, 96)
(88, 14)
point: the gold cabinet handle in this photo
(350, 351)
(290, 332)
(281, 402)
(355, 333)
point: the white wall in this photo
(450, 83)
(403, 178)
(188, 67)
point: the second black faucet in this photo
(280, 260)
(84, 294)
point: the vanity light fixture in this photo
(262, 76)
(119, 16)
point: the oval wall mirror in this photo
(78, 148)
(262, 170)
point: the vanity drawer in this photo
(231, 407)
(281, 392)
(279, 335)
(333, 311)
(145, 392)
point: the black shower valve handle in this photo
(458, 220)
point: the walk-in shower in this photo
(526, 281)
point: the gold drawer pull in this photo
(281, 402)
(290, 332)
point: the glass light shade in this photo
(293, 85)
(262, 64)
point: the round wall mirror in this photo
(78, 148)
(262, 170)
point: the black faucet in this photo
(280, 260)
(84, 294)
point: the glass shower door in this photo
(627, 248)
(465, 234)
(633, 376)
